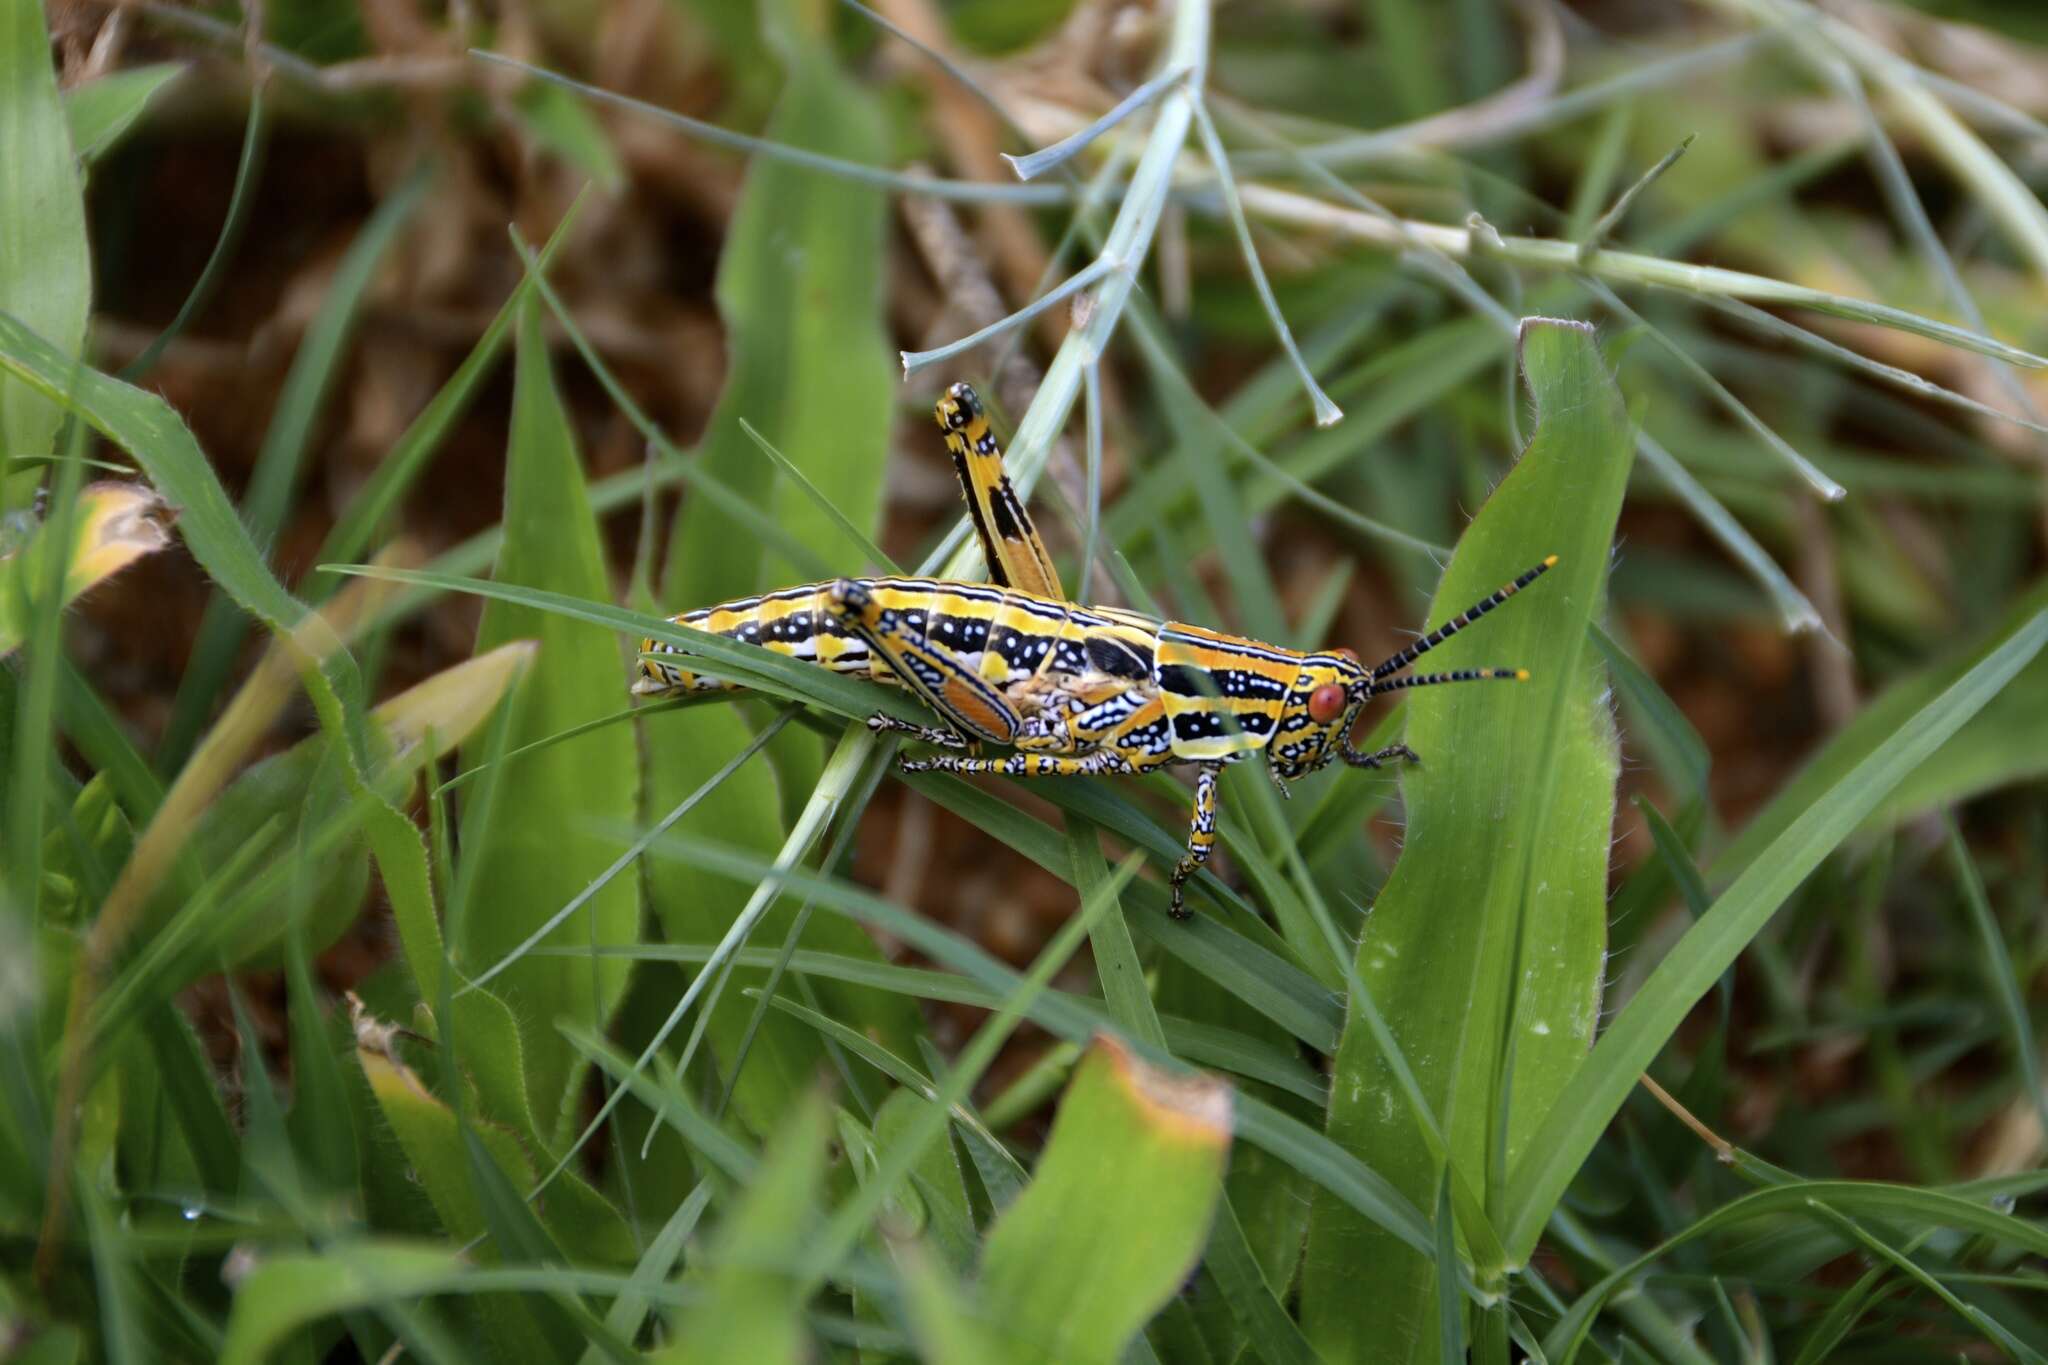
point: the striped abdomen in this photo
(1000, 633)
(792, 622)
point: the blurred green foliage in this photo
(634, 1059)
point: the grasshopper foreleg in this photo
(1383, 756)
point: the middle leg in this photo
(1090, 764)
(1201, 839)
(939, 736)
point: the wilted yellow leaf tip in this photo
(1193, 1108)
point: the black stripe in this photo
(1225, 684)
(1117, 658)
(958, 448)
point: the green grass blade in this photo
(45, 267)
(1597, 1090)
(285, 446)
(752, 1309)
(1076, 1017)
(1248, 1295)
(1117, 969)
(629, 1311)
(852, 1219)
(812, 371)
(1450, 1308)
(530, 860)
(146, 427)
(102, 111)
(408, 457)
(1672, 743)
(2004, 980)
(1912, 1269)
(1898, 1206)
(241, 200)
(1116, 1213)
(287, 1291)
(2007, 741)
(1270, 981)
(1509, 819)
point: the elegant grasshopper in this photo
(1071, 690)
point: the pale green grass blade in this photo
(1619, 267)
(751, 1309)
(1509, 819)
(102, 111)
(811, 369)
(288, 1291)
(555, 120)
(1893, 1205)
(45, 266)
(1118, 972)
(1069, 1016)
(1597, 1090)
(529, 860)
(776, 149)
(2005, 742)
(877, 557)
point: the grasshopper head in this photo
(1315, 724)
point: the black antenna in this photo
(1452, 627)
(1460, 675)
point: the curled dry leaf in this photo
(117, 524)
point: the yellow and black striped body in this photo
(1070, 689)
(1086, 677)
(1007, 667)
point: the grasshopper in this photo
(1070, 690)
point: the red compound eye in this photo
(1326, 703)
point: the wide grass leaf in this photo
(751, 1309)
(1116, 1213)
(45, 262)
(545, 843)
(469, 1172)
(1499, 899)
(1691, 968)
(286, 1292)
(811, 370)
